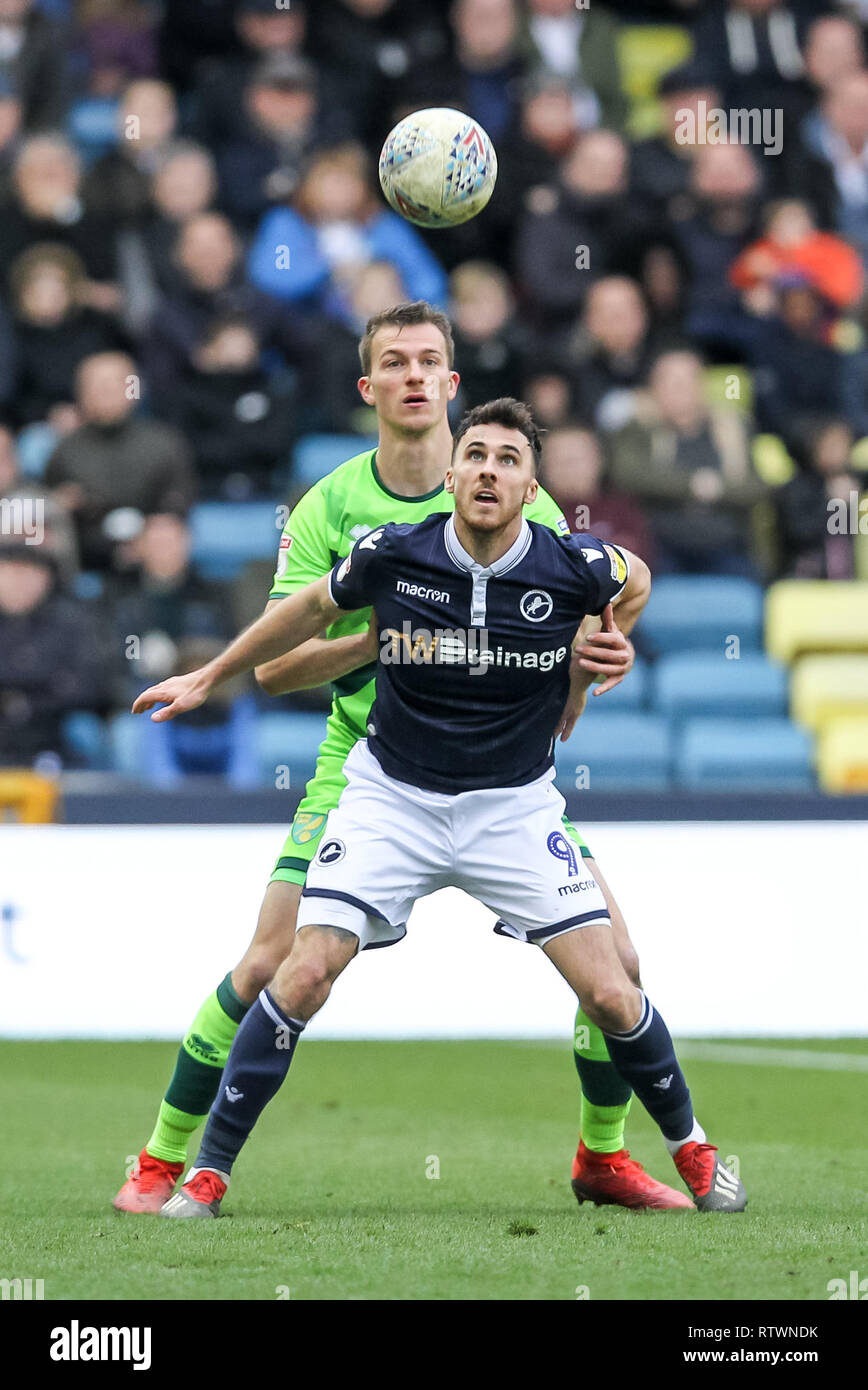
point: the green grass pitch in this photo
(335, 1196)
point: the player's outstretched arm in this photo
(318, 661)
(293, 621)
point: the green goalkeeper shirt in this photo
(324, 527)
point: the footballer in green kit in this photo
(407, 375)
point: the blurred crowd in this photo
(192, 237)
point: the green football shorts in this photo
(322, 794)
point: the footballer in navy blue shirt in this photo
(476, 615)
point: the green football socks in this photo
(606, 1099)
(196, 1079)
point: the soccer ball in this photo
(438, 167)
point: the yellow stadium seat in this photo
(842, 756)
(27, 797)
(645, 53)
(731, 385)
(823, 688)
(771, 460)
(807, 615)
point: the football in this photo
(438, 167)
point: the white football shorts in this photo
(388, 843)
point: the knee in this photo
(259, 966)
(612, 1004)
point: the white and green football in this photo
(438, 167)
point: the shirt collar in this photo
(464, 560)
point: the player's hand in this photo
(607, 653)
(179, 694)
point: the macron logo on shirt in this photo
(419, 591)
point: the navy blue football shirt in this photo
(473, 670)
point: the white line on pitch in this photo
(772, 1056)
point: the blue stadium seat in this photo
(744, 755)
(706, 683)
(700, 612)
(631, 694)
(228, 534)
(613, 751)
(86, 737)
(125, 744)
(92, 125)
(288, 742)
(316, 455)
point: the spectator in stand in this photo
(184, 184)
(808, 548)
(547, 132)
(10, 133)
(161, 600)
(832, 166)
(549, 393)
(689, 466)
(484, 73)
(118, 186)
(792, 244)
(490, 345)
(210, 284)
(46, 205)
(118, 41)
(718, 222)
(117, 467)
(610, 360)
(307, 254)
(583, 228)
(834, 50)
(580, 46)
(40, 513)
(33, 63)
(754, 49)
(239, 424)
(285, 120)
(797, 371)
(263, 30)
(51, 658)
(573, 472)
(54, 331)
(191, 36)
(368, 48)
(661, 165)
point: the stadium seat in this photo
(772, 460)
(85, 735)
(729, 386)
(806, 615)
(125, 741)
(702, 612)
(614, 751)
(744, 755)
(706, 683)
(92, 125)
(842, 756)
(631, 694)
(828, 687)
(645, 53)
(287, 743)
(228, 534)
(316, 455)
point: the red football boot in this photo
(152, 1183)
(714, 1186)
(618, 1180)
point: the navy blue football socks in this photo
(646, 1059)
(254, 1072)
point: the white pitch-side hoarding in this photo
(757, 928)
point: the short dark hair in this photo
(405, 315)
(506, 411)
